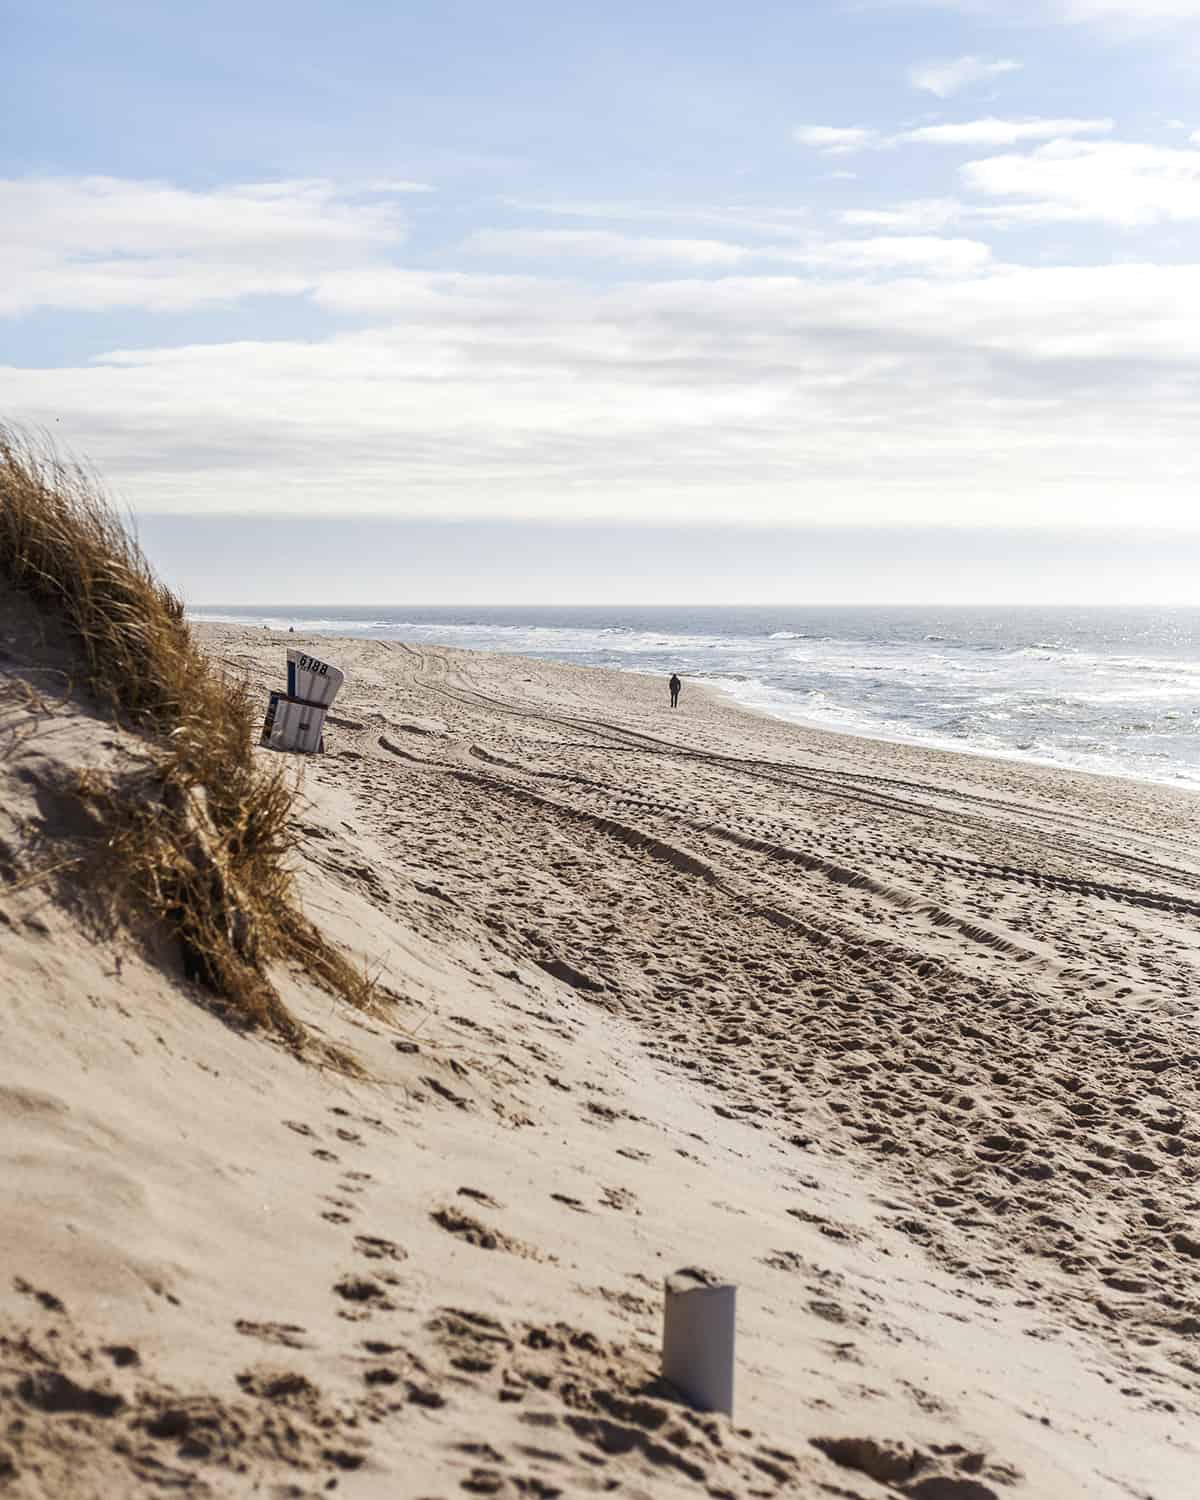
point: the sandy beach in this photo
(903, 1043)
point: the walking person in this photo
(674, 685)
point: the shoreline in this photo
(930, 742)
(720, 682)
(714, 685)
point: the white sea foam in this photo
(312, 625)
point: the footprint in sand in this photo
(479, 1196)
(949, 1471)
(56, 1393)
(46, 1299)
(569, 1202)
(289, 1335)
(122, 1355)
(364, 1295)
(446, 1093)
(375, 1248)
(472, 1232)
(619, 1198)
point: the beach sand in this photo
(903, 1043)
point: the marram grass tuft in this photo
(197, 840)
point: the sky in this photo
(459, 302)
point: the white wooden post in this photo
(699, 1317)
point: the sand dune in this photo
(903, 1043)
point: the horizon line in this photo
(602, 604)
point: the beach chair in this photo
(295, 720)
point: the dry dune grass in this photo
(198, 838)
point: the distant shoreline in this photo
(1015, 757)
(781, 714)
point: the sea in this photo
(1113, 691)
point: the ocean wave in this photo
(298, 623)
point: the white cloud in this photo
(1058, 396)
(758, 218)
(900, 374)
(1113, 182)
(107, 214)
(984, 132)
(394, 185)
(928, 253)
(627, 208)
(100, 242)
(992, 132)
(919, 214)
(835, 139)
(600, 244)
(946, 78)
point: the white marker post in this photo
(699, 1317)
